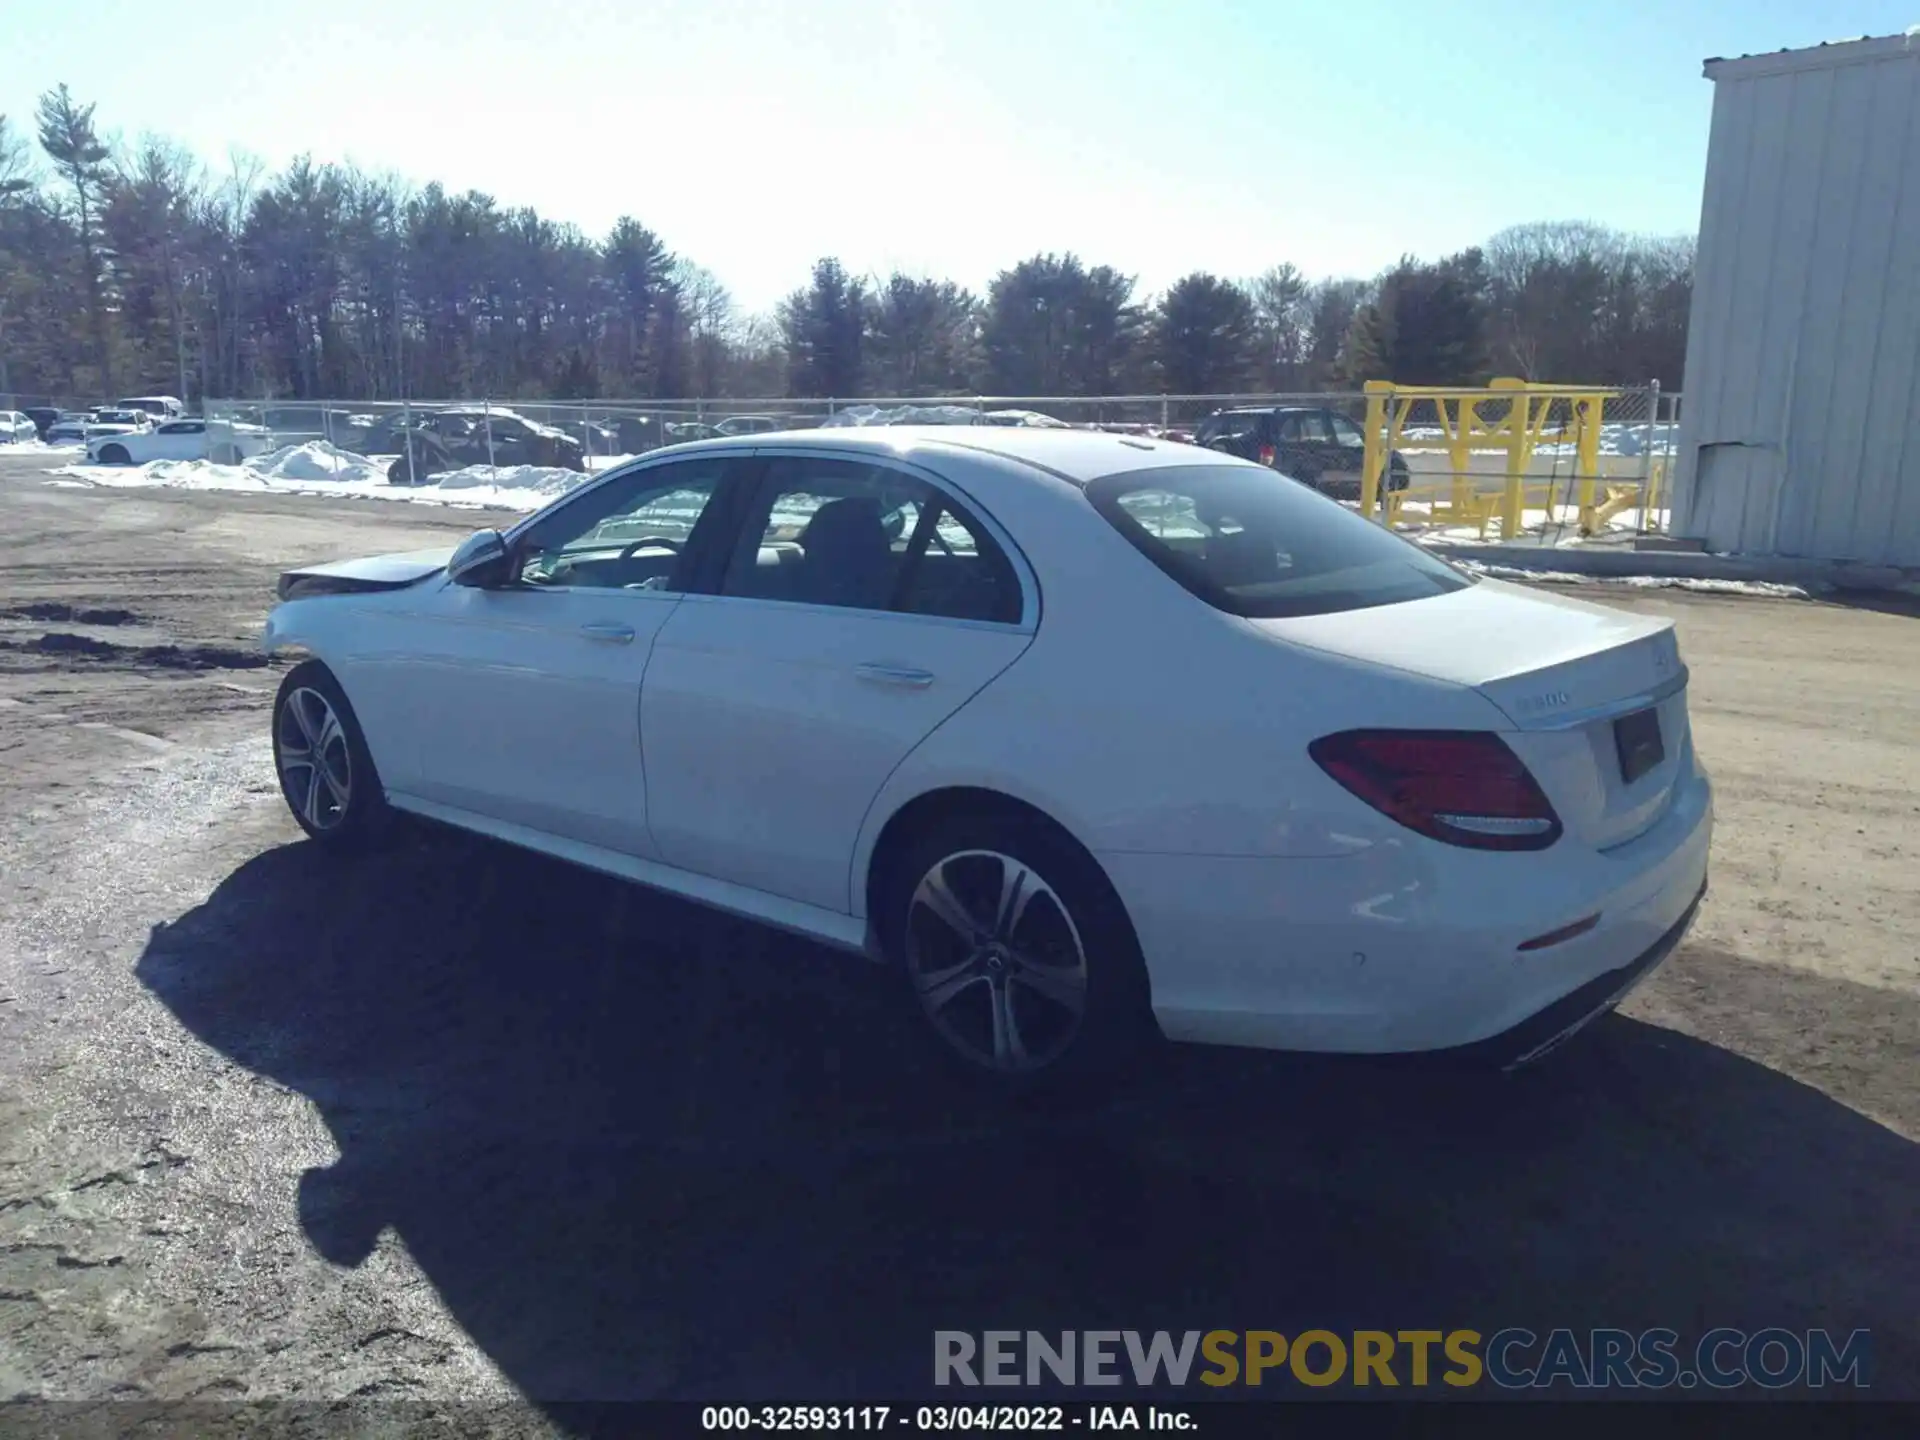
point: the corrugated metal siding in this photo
(1799, 435)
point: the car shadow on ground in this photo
(642, 1150)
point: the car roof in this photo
(1078, 456)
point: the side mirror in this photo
(481, 561)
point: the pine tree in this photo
(79, 158)
(1204, 337)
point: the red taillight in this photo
(1464, 787)
(1266, 454)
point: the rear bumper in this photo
(1542, 1033)
(1402, 948)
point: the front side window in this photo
(1346, 433)
(630, 533)
(869, 537)
(1254, 543)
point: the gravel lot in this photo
(459, 1123)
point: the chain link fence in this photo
(1615, 452)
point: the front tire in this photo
(115, 455)
(1017, 953)
(327, 776)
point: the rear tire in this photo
(1015, 952)
(226, 455)
(327, 776)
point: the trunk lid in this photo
(1562, 671)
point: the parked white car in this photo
(15, 427)
(1080, 734)
(161, 407)
(95, 424)
(177, 440)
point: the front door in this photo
(862, 605)
(181, 440)
(529, 694)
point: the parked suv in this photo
(1319, 447)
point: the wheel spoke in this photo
(938, 987)
(1064, 987)
(330, 731)
(297, 704)
(334, 788)
(937, 897)
(1009, 1049)
(1014, 893)
(310, 807)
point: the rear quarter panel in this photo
(1145, 721)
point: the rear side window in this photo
(1254, 543)
(1233, 425)
(868, 537)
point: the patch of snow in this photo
(318, 468)
(903, 415)
(1617, 438)
(1764, 588)
(315, 460)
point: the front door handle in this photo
(610, 633)
(903, 675)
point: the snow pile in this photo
(1031, 419)
(315, 460)
(318, 468)
(903, 415)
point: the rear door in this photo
(1346, 455)
(1306, 448)
(864, 603)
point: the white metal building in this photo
(1800, 416)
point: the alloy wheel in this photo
(996, 961)
(316, 766)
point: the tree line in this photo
(134, 267)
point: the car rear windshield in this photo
(1253, 542)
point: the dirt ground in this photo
(461, 1124)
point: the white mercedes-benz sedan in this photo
(1082, 735)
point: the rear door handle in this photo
(902, 675)
(610, 633)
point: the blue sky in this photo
(953, 139)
